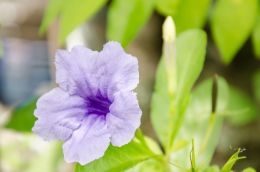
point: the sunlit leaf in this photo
(191, 14)
(126, 18)
(228, 166)
(75, 13)
(256, 37)
(241, 107)
(249, 169)
(201, 124)
(190, 54)
(231, 24)
(52, 11)
(187, 14)
(167, 7)
(22, 118)
(212, 169)
(118, 158)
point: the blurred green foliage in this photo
(242, 109)
(201, 124)
(231, 24)
(187, 14)
(191, 47)
(232, 21)
(22, 117)
(126, 18)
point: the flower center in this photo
(98, 105)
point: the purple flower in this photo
(94, 103)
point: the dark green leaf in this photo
(22, 118)
(231, 24)
(256, 85)
(126, 18)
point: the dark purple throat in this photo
(98, 105)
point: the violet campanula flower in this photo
(94, 104)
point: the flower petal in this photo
(59, 114)
(89, 142)
(75, 70)
(124, 118)
(121, 70)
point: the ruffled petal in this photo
(75, 69)
(89, 142)
(59, 114)
(121, 70)
(124, 118)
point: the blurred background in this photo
(31, 31)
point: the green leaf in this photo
(167, 7)
(256, 85)
(256, 37)
(242, 108)
(201, 124)
(151, 165)
(187, 14)
(22, 118)
(191, 14)
(231, 162)
(190, 54)
(52, 11)
(212, 169)
(249, 169)
(126, 18)
(76, 12)
(118, 158)
(231, 24)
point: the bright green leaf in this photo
(187, 14)
(118, 158)
(231, 24)
(167, 7)
(212, 169)
(191, 14)
(126, 18)
(52, 11)
(76, 12)
(249, 169)
(22, 118)
(256, 37)
(228, 166)
(242, 108)
(190, 54)
(201, 125)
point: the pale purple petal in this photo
(124, 118)
(89, 142)
(94, 104)
(121, 70)
(59, 114)
(75, 70)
